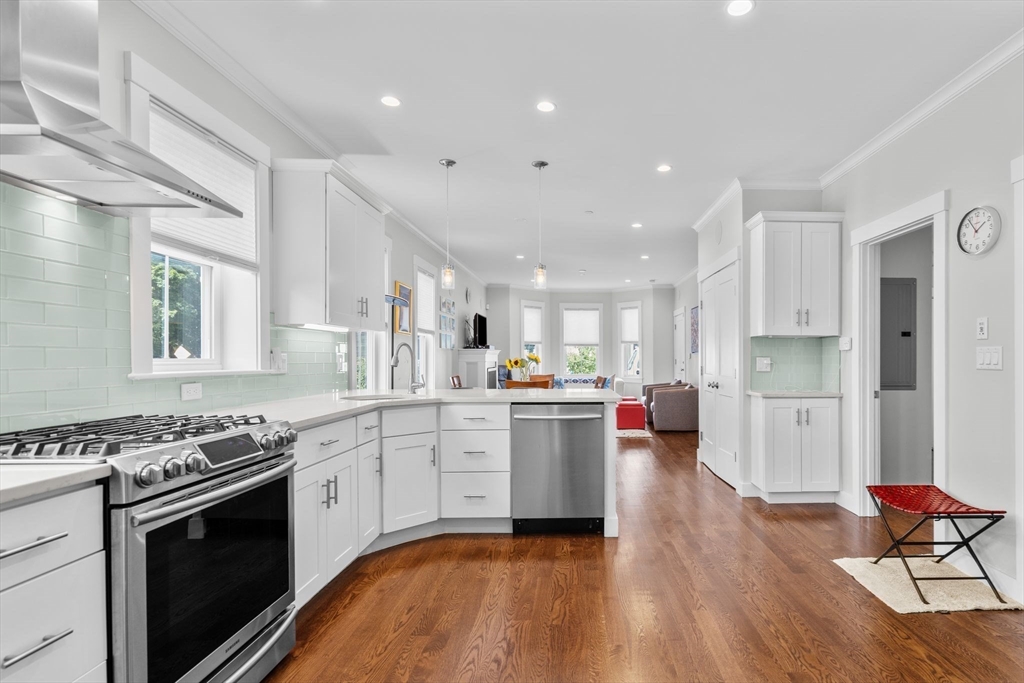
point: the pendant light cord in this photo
(447, 218)
(540, 217)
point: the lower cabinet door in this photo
(310, 550)
(342, 512)
(782, 436)
(476, 494)
(820, 448)
(410, 480)
(369, 493)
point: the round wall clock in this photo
(978, 230)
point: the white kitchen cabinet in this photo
(369, 493)
(410, 480)
(794, 273)
(795, 444)
(342, 512)
(328, 249)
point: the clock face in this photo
(978, 230)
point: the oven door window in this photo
(211, 573)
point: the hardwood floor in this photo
(700, 586)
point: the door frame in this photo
(1017, 180)
(724, 261)
(685, 331)
(866, 245)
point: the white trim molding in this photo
(783, 185)
(733, 189)
(685, 277)
(1017, 179)
(794, 217)
(1004, 53)
(726, 259)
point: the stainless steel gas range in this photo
(201, 539)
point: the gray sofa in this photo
(676, 409)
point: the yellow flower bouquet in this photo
(525, 366)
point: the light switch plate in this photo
(764, 364)
(982, 328)
(845, 343)
(193, 391)
(989, 358)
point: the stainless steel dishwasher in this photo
(558, 459)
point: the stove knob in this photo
(147, 474)
(267, 442)
(194, 462)
(291, 435)
(174, 466)
(280, 439)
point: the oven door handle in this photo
(212, 497)
(289, 617)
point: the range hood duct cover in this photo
(51, 138)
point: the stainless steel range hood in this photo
(51, 138)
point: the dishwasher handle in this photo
(558, 417)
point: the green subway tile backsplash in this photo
(797, 364)
(64, 327)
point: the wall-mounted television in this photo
(479, 331)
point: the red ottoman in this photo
(629, 415)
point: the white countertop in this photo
(795, 394)
(311, 411)
(22, 481)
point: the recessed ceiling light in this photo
(390, 101)
(588, 212)
(520, 256)
(664, 168)
(738, 8)
(638, 225)
(546, 106)
(645, 256)
(628, 280)
(583, 271)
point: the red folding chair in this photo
(932, 503)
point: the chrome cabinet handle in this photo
(213, 497)
(798, 317)
(47, 642)
(327, 496)
(335, 496)
(476, 495)
(433, 456)
(325, 444)
(289, 617)
(474, 452)
(807, 316)
(807, 416)
(797, 417)
(379, 463)
(42, 540)
(474, 418)
(557, 417)
(370, 428)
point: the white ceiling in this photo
(783, 93)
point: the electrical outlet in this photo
(192, 391)
(282, 362)
(982, 328)
(845, 343)
(764, 364)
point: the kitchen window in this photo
(425, 301)
(533, 329)
(184, 268)
(581, 339)
(629, 340)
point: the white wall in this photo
(905, 415)
(687, 296)
(964, 148)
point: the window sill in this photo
(200, 373)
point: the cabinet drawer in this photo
(476, 451)
(72, 598)
(476, 494)
(475, 416)
(319, 443)
(74, 521)
(404, 421)
(368, 427)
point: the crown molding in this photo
(685, 277)
(733, 189)
(782, 185)
(1010, 49)
(578, 290)
(172, 20)
(794, 217)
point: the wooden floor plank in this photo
(701, 585)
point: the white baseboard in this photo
(611, 527)
(747, 489)
(1005, 584)
(799, 497)
(441, 526)
(847, 500)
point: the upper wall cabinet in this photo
(794, 273)
(328, 259)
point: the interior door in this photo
(709, 371)
(727, 384)
(410, 481)
(682, 336)
(342, 515)
(783, 314)
(820, 279)
(310, 499)
(342, 219)
(369, 493)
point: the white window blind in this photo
(532, 324)
(630, 324)
(581, 327)
(426, 306)
(217, 167)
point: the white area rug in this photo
(632, 434)
(889, 582)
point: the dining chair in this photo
(550, 379)
(528, 384)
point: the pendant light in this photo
(540, 273)
(447, 270)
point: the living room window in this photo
(533, 329)
(629, 340)
(185, 270)
(581, 338)
(425, 300)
